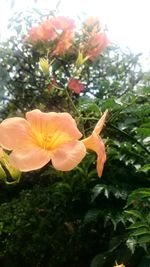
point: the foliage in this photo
(75, 219)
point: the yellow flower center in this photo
(51, 141)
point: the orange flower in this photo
(95, 45)
(91, 21)
(94, 142)
(34, 35)
(91, 26)
(43, 32)
(49, 33)
(63, 23)
(75, 85)
(49, 29)
(42, 137)
(64, 42)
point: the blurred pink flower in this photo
(63, 23)
(95, 45)
(91, 26)
(64, 42)
(50, 29)
(44, 32)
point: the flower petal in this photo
(101, 158)
(63, 23)
(99, 126)
(68, 156)
(28, 159)
(64, 43)
(14, 133)
(96, 144)
(50, 123)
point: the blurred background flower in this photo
(127, 21)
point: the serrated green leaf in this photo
(138, 194)
(137, 225)
(140, 231)
(134, 213)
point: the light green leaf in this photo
(141, 231)
(134, 213)
(145, 168)
(144, 131)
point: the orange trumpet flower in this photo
(42, 137)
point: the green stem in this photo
(79, 115)
(73, 105)
(117, 112)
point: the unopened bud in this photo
(44, 65)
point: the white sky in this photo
(128, 21)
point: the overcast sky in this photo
(128, 21)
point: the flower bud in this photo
(44, 65)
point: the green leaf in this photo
(106, 193)
(145, 168)
(134, 213)
(145, 125)
(137, 225)
(91, 216)
(2, 173)
(144, 239)
(98, 261)
(140, 231)
(115, 242)
(131, 244)
(144, 131)
(96, 191)
(110, 103)
(138, 194)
